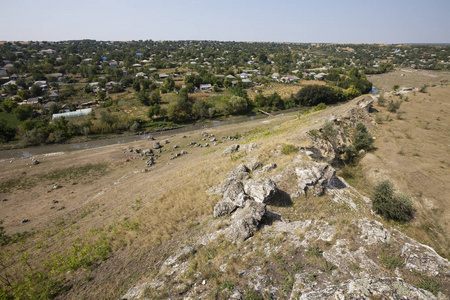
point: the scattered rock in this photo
(156, 145)
(231, 149)
(55, 201)
(166, 141)
(269, 167)
(206, 145)
(205, 134)
(183, 152)
(147, 152)
(150, 138)
(57, 186)
(254, 165)
(61, 208)
(249, 147)
(25, 221)
(176, 146)
(36, 162)
(261, 189)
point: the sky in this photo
(313, 21)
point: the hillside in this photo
(268, 219)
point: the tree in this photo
(7, 133)
(199, 109)
(143, 97)
(352, 92)
(24, 112)
(314, 94)
(8, 105)
(180, 111)
(169, 84)
(363, 140)
(153, 110)
(24, 94)
(36, 90)
(155, 97)
(237, 105)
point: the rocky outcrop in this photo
(223, 208)
(315, 177)
(362, 288)
(261, 189)
(245, 221)
(240, 172)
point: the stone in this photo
(147, 152)
(249, 147)
(231, 188)
(254, 165)
(231, 149)
(183, 152)
(269, 167)
(156, 145)
(55, 201)
(240, 172)
(204, 133)
(176, 146)
(261, 189)
(315, 176)
(166, 141)
(246, 221)
(206, 145)
(223, 208)
(36, 162)
(25, 221)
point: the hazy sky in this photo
(343, 21)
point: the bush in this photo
(319, 107)
(289, 149)
(363, 140)
(393, 106)
(381, 100)
(389, 205)
(315, 94)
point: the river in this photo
(32, 151)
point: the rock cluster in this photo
(246, 202)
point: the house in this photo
(230, 76)
(42, 84)
(50, 103)
(152, 70)
(48, 51)
(275, 75)
(205, 87)
(137, 65)
(320, 76)
(243, 75)
(33, 101)
(163, 75)
(8, 83)
(141, 74)
(53, 95)
(247, 80)
(58, 76)
(289, 78)
(113, 63)
(3, 72)
(110, 85)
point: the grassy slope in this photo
(143, 216)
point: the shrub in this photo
(389, 205)
(381, 100)
(289, 149)
(423, 89)
(393, 106)
(391, 262)
(320, 106)
(363, 140)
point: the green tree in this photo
(237, 105)
(362, 140)
(24, 112)
(7, 132)
(169, 84)
(8, 105)
(143, 97)
(36, 90)
(352, 92)
(153, 110)
(23, 94)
